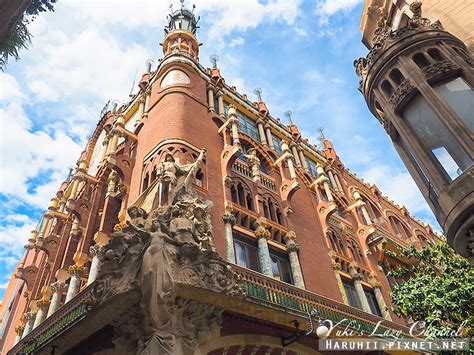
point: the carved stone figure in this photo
(160, 255)
(171, 178)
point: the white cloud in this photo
(301, 32)
(238, 41)
(331, 7)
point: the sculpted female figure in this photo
(157, 284)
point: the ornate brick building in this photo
(127, 237)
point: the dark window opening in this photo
(420, 60)
(387, 87)
(396, 76)
(435, 54)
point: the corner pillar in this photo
(292, 247)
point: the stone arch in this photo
(219, 343)
(241, 191)
(264, 157)
(272, 209)
(391, 216)
(335, 241)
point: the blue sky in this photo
(87, 52)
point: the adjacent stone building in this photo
(131, 255)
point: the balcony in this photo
(265, 298)
(287, 298)
(244, 169)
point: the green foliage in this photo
(19, 36)
(438, 290)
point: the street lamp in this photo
(322, 331)
(418, 81)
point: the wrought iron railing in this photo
(270, 292)
(61, 320)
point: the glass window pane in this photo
(276, 144)
(351, 294)
(460, 97)
(434, 135)
(374, 306)
(252, 258)
(285, 271)
(240, 256)
(275, 268)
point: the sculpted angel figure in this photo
(172, 178)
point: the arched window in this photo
(356, 252)
(145, 182)
(420, 60)
(233, 194)
(200, 178)
(396, 76)
(387, 87)
(399, 228)
(241, 194)
(249, 201)
(336, 242)
(435, 54)
(153, 175)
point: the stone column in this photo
(58, 288)
(229, 221)
(261, 132)
(141, 108)
(333, 181)
(268, 130)
(76, 271)
(381, 301)
(302, 158)
(234, 122)
(210, 96)
(286, 151)
(361, 204)
(220, 102)
(292, 247)
(147, 103)
(42, 311)
(337, 269)
(264, 259)
(97, 253)
(357, 277)
(323, 180)
(19, 329)
(29, 319)
(294, 150)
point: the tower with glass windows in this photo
(297, 227)
(418, 81)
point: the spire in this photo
(262, 108)
(287, 114)
(180, 33)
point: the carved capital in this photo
(76, 270)
(19, 329)
(229, 219)
(29, 316)
(42, 303)
(97, 250)
(336, 265)
(358, 276)
(290, 237)
(376, 284)
(293, 247)
(262, 232)
(59, 287)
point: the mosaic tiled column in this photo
(337, 268)
(380, 300)
(97, 252)
(74, 287)
(58, 288)
(357, 278)
(19, 333)
(42, 311)
(292, 247)
(29, 319)
(229, 221)
(264, 259)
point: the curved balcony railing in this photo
(61, 320)
(271, 292)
